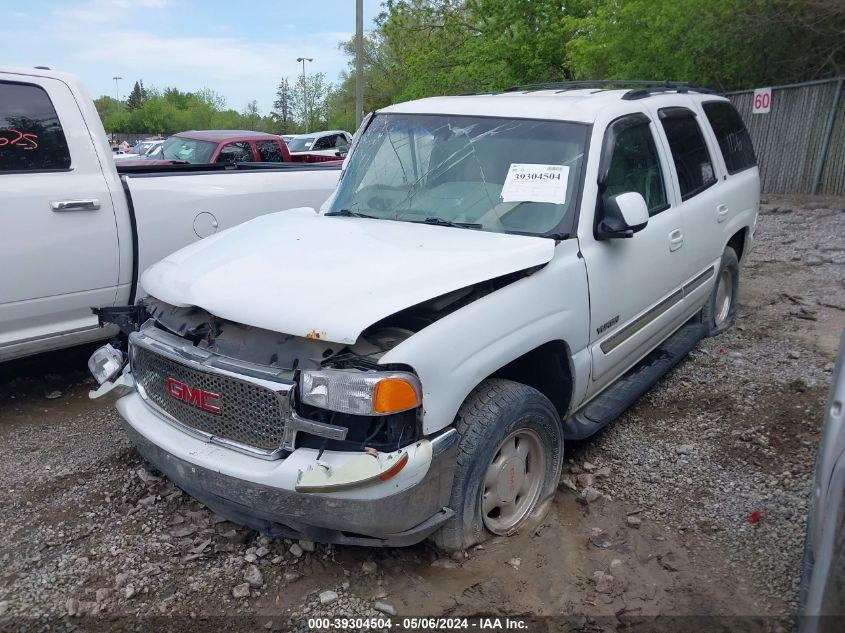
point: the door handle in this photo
(721, 212)
(91, 204)
(676, 240)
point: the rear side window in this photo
(733, 138)
(31, 137)
(692, 160)
(270, 151)
(325, 142)
(634, 164)
(235, 153)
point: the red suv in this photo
(224, 146)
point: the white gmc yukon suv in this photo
(493, 275)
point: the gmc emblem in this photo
(198, 398)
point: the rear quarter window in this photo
(31, 136)
(734, 140)
(270, 151)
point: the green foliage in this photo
(136, 97)
(172, 110)
(308, 101)
(429, 47)
(283, 108)
(421, 48)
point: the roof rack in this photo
(638, 89)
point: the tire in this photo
(720, 310)
(519, 429)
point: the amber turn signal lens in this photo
(394, 394)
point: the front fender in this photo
(454, 354)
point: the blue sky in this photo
(238, 48)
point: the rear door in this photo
(696, 178)
(58, 241)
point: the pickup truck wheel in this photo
(509, 459)
(720, 310)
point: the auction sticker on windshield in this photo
(527, 182)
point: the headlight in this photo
(360, 392)
(105, 363)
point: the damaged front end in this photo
(319, 417)
(336, 397)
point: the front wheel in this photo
(720, 310)
(508, 466)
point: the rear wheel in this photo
(720, 310)
(509, 460)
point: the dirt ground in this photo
(703, 489)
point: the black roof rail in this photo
(639, 89)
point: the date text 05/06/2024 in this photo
(417, 624)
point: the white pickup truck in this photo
(493, 275)
(75, 233)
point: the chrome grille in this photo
(250, 415)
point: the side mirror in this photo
(622, 215)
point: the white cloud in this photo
(103, 38)
(106, 11)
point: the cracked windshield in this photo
(493, 174)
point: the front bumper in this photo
(261, 493)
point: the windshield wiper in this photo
(346, 213)
(442, 222)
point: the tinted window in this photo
(31, 137)
(733, 138)
(692, 160)
(324, 142)
(235, 153)
(634, 164)
(270, 151)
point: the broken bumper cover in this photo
(261, 493)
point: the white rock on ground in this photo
(389, 609)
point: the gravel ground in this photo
(658, 514)
(734, 429)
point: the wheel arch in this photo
(548, 368)
(737, 242)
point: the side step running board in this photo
(608, 406)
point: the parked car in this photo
(224, 146)
(287, 138)
(77, 235)
(494, 274)
(332, 143)
(141, 149)
(822, 598)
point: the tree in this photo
(251, 116)
(308, 101)
(137, 96)
(107, 106)
(282, 109)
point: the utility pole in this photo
(359, 62)
(305, 89)
(116, 91)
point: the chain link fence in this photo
(800, 142)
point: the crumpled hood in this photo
(309, 275)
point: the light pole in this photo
(116, 92)
(359, 62)
(304, 90)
